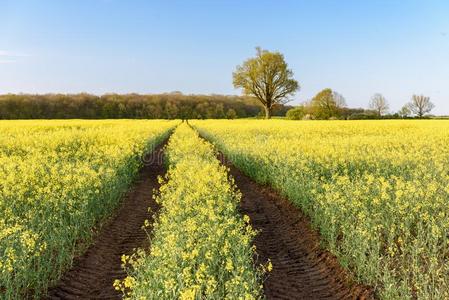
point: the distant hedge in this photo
(303, 112)
(133, 106)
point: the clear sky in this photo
(358, 48)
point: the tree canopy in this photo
(131, 106)
(266, 77)
(326, 104)
(296, 113)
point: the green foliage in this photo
(377, 191)
(323, 105)
(405, 111)
(231, 114)
(201, 248)
(266, 77)
(296, 113)
(58, 179)
(131, 106)
(363, 116)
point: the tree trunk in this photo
(267, 112)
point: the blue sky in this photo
(357, 48)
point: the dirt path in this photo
(301, 270)
(93, 274)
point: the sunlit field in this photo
(201, 245)
(378, 191)
(57, 180)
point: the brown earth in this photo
(92, 274)
(301, 268)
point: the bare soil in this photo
(301, 268)
(92, 274)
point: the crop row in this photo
(58, 180)
(200, 247)
(377, 191)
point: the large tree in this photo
(327, 104)
(420, 105)
(379, 104)
(266, 77)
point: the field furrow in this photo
(93, 274)
(301, 269)
(59, 181)
(201, 248)
(377, 191)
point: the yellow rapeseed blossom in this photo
(377, 190)
(201, 245)
(188, 294)
(269, 266)
(57, 179)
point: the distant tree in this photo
(210, 112)
(324, 105)
(122, 110)
(404, 112)
(420, 105)
(346, 112)
(171, 110)
(231, 114)
(340, 101)
(379, 104)
(266, 77)
(111, 106)
(296, 113)
(219, 111)
(186, 112)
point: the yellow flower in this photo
(269, 266)
(229, 265)
(377, 190)
(188, 294)
(246, 219)
(129, 282)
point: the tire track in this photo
(301, 269)
(92, 274)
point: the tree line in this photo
(134, 106)
(267, 78)
(329, 104)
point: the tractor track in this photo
(93, 273)
(301, 268)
